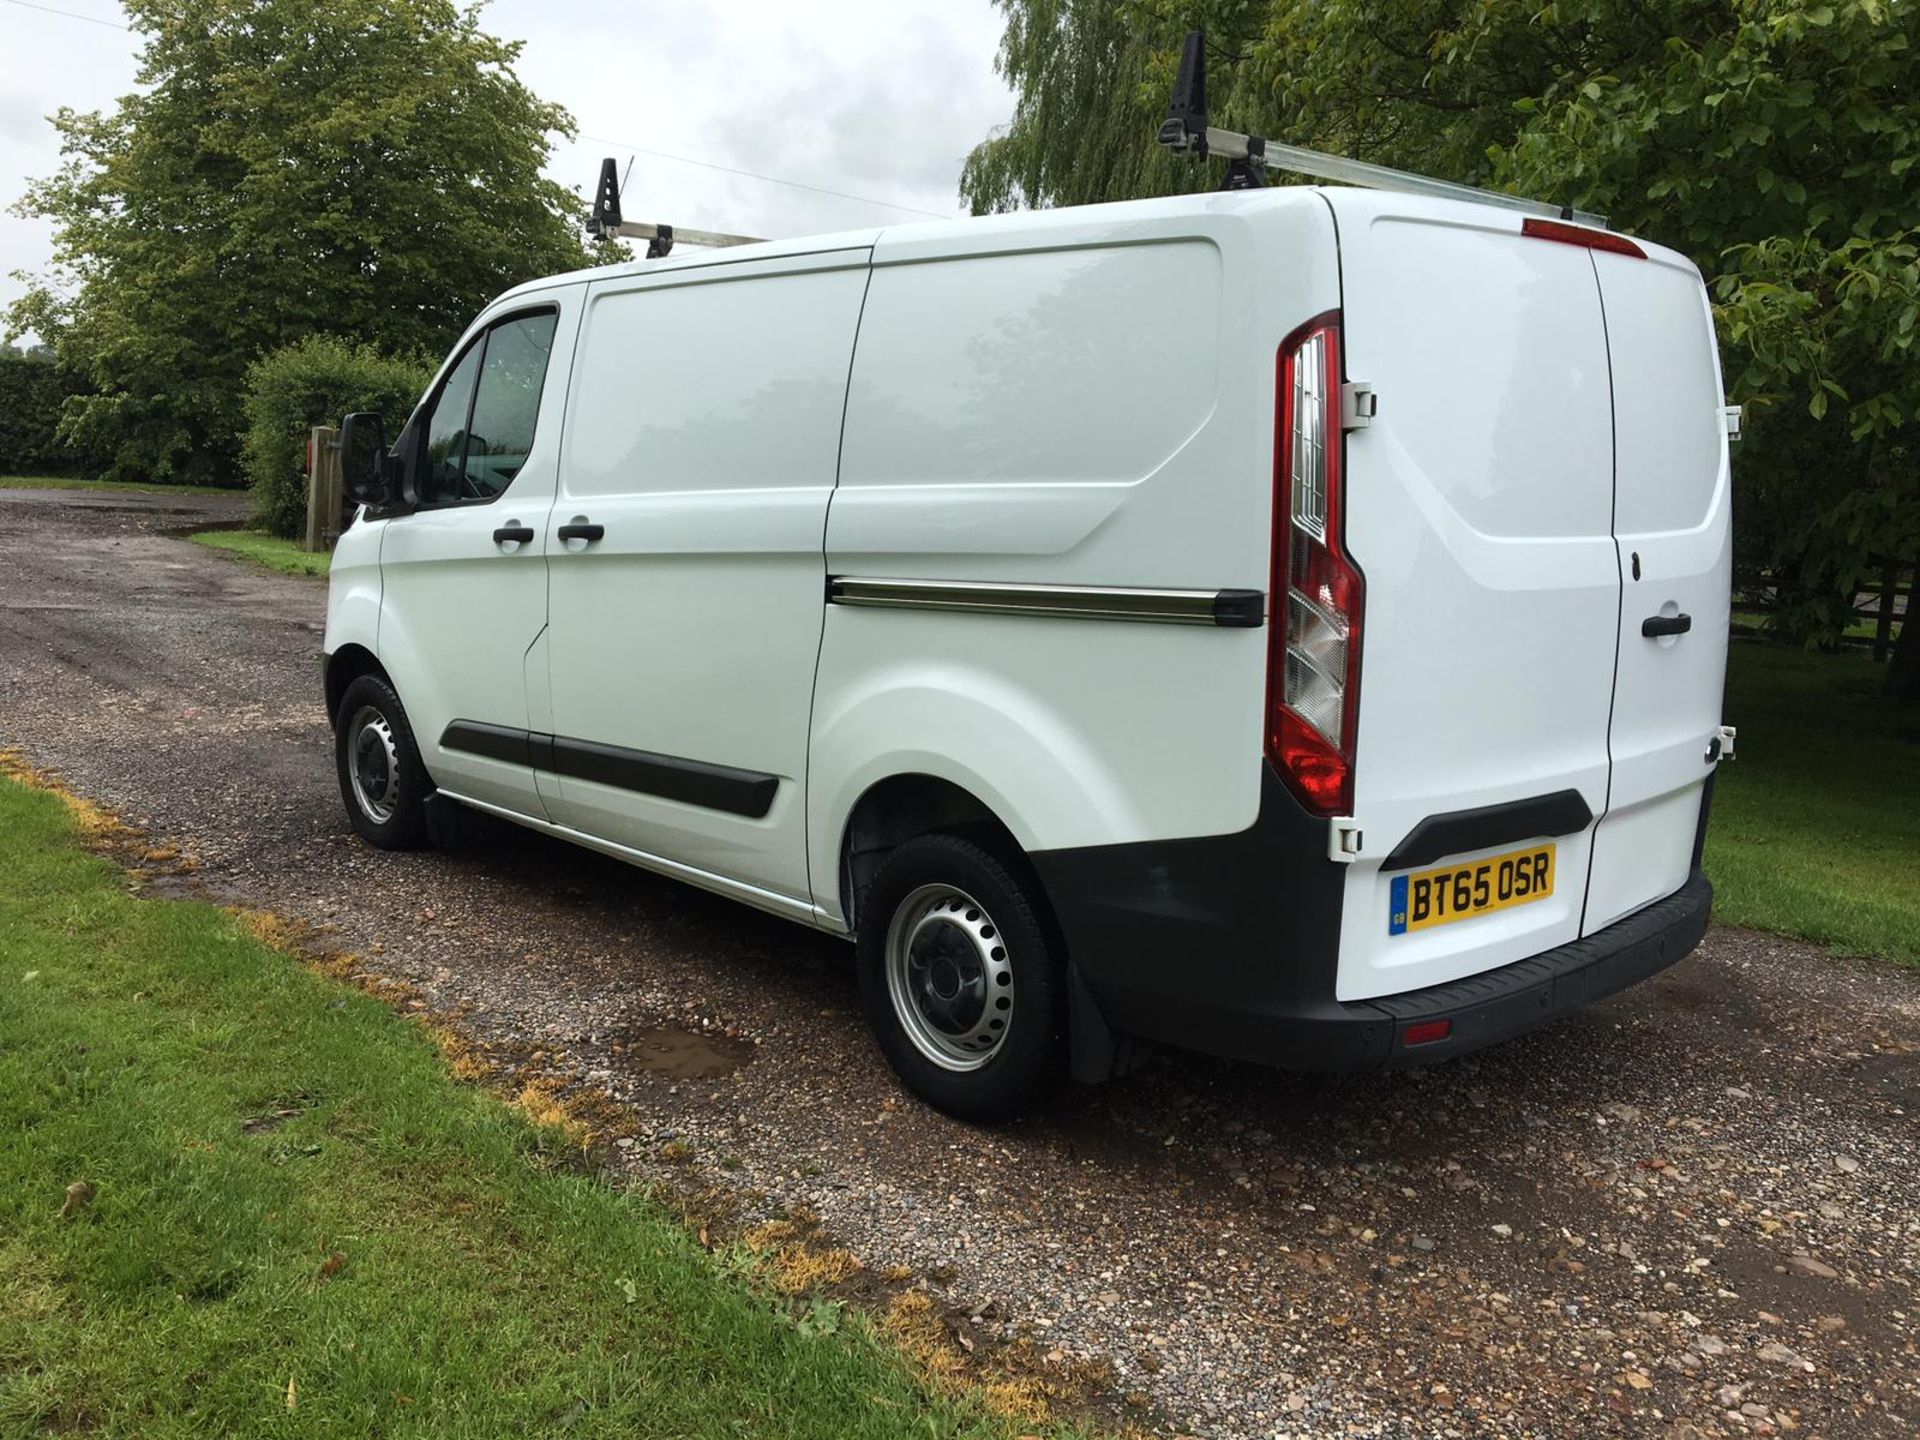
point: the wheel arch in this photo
(346, 665)
(899, 807)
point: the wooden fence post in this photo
(323, 487)
(1883, 622)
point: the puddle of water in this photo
(158, 512)
(685, 1054)
(162, 885)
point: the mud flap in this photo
(448, 821)
(1097, 1053)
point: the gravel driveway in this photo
(1693, 1210)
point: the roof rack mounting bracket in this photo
(607, 223)
(1187, 131)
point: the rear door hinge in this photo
(1358, 405)
(1720, 747)
(1730, 419)
(1343, 840)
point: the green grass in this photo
(243, 1120)
(64, 482)
(268, 551)
(1816, 825)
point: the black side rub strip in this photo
(692, 782)
(1564, 812)
(495, 742)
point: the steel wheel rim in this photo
(949, 977)
(373, 764)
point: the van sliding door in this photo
(687, 574)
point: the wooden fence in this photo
(1878, 614)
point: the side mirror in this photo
(365, 471)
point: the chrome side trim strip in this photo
(1232, 608)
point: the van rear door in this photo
(1479, 507)
(1671, 520)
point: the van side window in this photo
(481, 428)
(447, 429)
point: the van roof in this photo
(1016, 229)
(964, 231)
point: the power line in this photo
(755, 175)
(69, 14)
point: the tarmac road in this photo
(1695, 1209)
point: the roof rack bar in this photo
(1187, 132)
(607, 223)
(636, 230)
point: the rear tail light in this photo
(1582, 235)
(1313, 662)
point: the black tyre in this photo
(960, 982)
(383, 782)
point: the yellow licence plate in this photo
(1459, 892)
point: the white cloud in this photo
(874, 98)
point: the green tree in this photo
(362, 168)
(1772, 140)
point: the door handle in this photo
(581, 530)
(513, 530)
(1655, 626)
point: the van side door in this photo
(463, 569)
(687, 562)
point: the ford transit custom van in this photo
(1285, 623)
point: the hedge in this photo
(314, 382)
(32, 390)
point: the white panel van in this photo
(1285, 623)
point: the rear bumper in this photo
(1485, 1009)
(1229, 945)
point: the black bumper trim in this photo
(1565, 812)
(1329, 1035)
(1494, 1006)
(1230, 944)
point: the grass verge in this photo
(67, 482)
(238, 1197)
(1816, 825)
(268, 551)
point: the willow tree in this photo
(362, 168)
(1772, 140)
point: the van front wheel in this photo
(958, 979)
(383, 781)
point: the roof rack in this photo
(606, 223)
(1186, 132)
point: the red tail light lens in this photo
(1426, 1032)
(1313, 661)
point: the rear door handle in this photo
(1654, 626)
(513, 530)
(581, 530)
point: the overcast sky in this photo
(875, 98)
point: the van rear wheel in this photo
(958, 978)
(383, 781)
